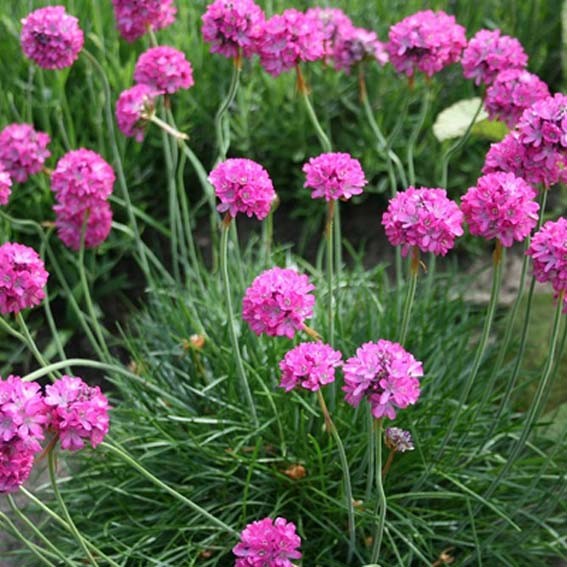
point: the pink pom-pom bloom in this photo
(23, 151)
(334, 176)
(511, 93)
(425, 41)
(243, 186)
(233, 27)
(501, 206)
(309, 365)
(268, 542)
(16, 462)
(488, 53)
(423, 218)
(354, 45)
(135, 17)
(278, 302)
(5, 186)
(133, 107)
(51, 37)
(334, 24)
(165, 69)
(22, 278)
(78, 412)
(288, 39)
(385, 374)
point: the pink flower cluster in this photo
(424, 218)
(133, 107)
(278, 302)
(354, 45)
(16, 464)
(511, 93)
(398, 440)
(334, 176)
(51, 37)
(309, 365)
(334, 23)
(165, 69)
(268, 542)
(23, 151)
(243, 186)
(135, 17)
(5, 185)
(22, 278)
(385, 374)
(425, 41)
(501, 206)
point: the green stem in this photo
(370, 455)
(222, 130)
(29, 340)
(380, 500)
(415, 135)
(330, 252)
(410, 295)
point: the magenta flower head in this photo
(5, 186)
(268, 542)
(309, 365)
(243, 186)
(511, 93)
(398, 440)
(233, 27)
(23, 151)
(22, 278)
(385, 374)
(334, 24)
(165, 69)
(16, 463)
(288, 39)
(424, 218)
(334, 176)
(354, 45)
(501, 206)
(51, 37)
(135, 17)
(425, 41)
(278, 302)
(133, 107)
(78, 412)
(488, 53)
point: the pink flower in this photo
(334, 176)
(233, 26)
(23, 151)
(354, 45)
(278, 302)
(511, 93)
(425, 41)
(425, 218)
(288, 39)
(266, 543)
(16, 462)
(5, 186)
(165, 69)
(398, 440)
(385, 374)
(334, 23)
(488, 53)
(22, 278)
(78, 412)
(51, 37)
(501, 206)
(543, 127)
(243, 186)
(133, 107)
(309, 365)
(135, 17)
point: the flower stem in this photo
(167, 128)
(222, 129)
(388, 464)
(410, 295)
(330, 303)
(28, 340)
(415, 135)
(380, 497)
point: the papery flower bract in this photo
(354, 45)
(51, 37)
(5, 186)
(243, 186)
(425, 218)
(278, 302)
(16, 462)
(488, 53)
(78, 412)
(135, 17)
(22, 278)
(309, 365)
(334, 176)
(385, 374)
(233, 27)
(501, 206)
(334, 23)
(398, 440)
(132, 108)
(425, 41)
(165, 69)
(266, 543)
(23, 151)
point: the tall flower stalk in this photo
(381, 503)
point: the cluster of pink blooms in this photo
(309, 365)
(334, 176)
(135, 17)
(278, 302)
(51, 37)
(423, 218)
(243, 186)
(23, 151)
(165, 69)
(268, 542)
(22, 278)
(398, 440)
(334, 23)
(354, 45)
(425, 41)
(385, 374)
(5, 185)
(488, 53)
(133, 107)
